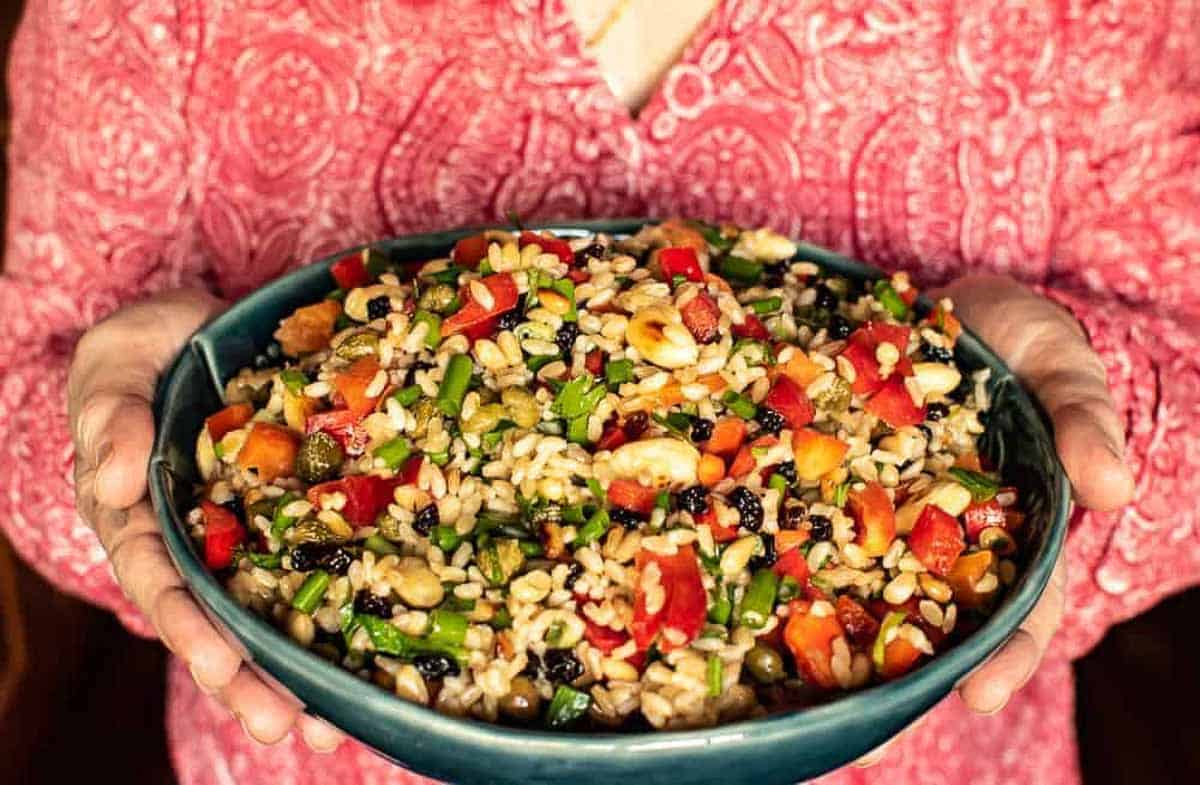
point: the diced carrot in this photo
(469, 251)
(876, 519)
(899, 657)
(816, 453)
(709, 518)
(711, 470)
(308, 329)
(353, 383)
(727, 436)
(969, 461)
(270, 450)
(228, 419)
(810, 639)
(798, 368)
(743, 463)
(965, 573)
(718, 282)
(787, 539)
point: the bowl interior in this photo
(785, 747)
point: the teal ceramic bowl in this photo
(782, 748)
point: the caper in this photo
(835, 397)
(765, 664)
(814, 317)
(389, 527)
(523, 408)
(522, 702)
(484, 419)
(439, 298)
(310, 530)
(319, 457)
(423, 411)
(357, 345)
(264, 507)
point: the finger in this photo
(149, 578)
(120, 478)
(319, 735)
(1092, 456)
(266, 716)
(991, 687)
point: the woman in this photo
(174, 156)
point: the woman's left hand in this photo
(1048, 350)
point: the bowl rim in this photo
(879, 699)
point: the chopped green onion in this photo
(531, 548)
(485, 267)
(740, 405)
(741, 271)
(454, 385)
(267, 561)
(594, 529)
(889, 299)
(434, 336)
(618, 372)
(455, 604)
(714, 676)
(502, 619)
(778, 483)
(395, 452)
(445, 537)
(218, 450)
(347, 622)
(722, 607)
(759, 600)
(280, 522)
(594, 486)
(539, 361)
(767, 305)
(663, 500)
(789, 588)
(337, 295)
(447, 276)
(387, 639)
(447, 628)
(311, 592)
(293, 380)
(408, 396)
(982, 487)
(567, 706)
(573, 514)
(379, 545)
(754, 351)
(879, 650)
(439, 458)
(677, 279)
(713, 236)
(577, 429)
(840, 493)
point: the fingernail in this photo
(206, 689)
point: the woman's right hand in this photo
(110, 389)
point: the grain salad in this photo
(661, 481)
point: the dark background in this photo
(79, 697)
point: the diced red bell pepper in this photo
(861, 627)
(866, 368)
(872, 334)
(680, 261)
(352, 384)
(578, 276)
(560, 248)
(792, 563)
(981, 515)
(410, 471)
(612, 437)
(341, 424)
(720, 533)
(894, 405)
(744, 462)
(604, 638)
(632, 495)
(936, 539)
(810, 639)
(470, 251)
(473, 315)
(366, 496)
(685, 603)
(751, 327)
(223, 533)
(876, 519)
(350, 272)
(228, 419)
(790, 400)
(702, 316)
(593, 362)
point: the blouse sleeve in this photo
(98, 216)
(1134, 232)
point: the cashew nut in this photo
(661, 461)
(658, 334)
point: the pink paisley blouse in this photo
(221, 143)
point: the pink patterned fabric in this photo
(161, 144)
